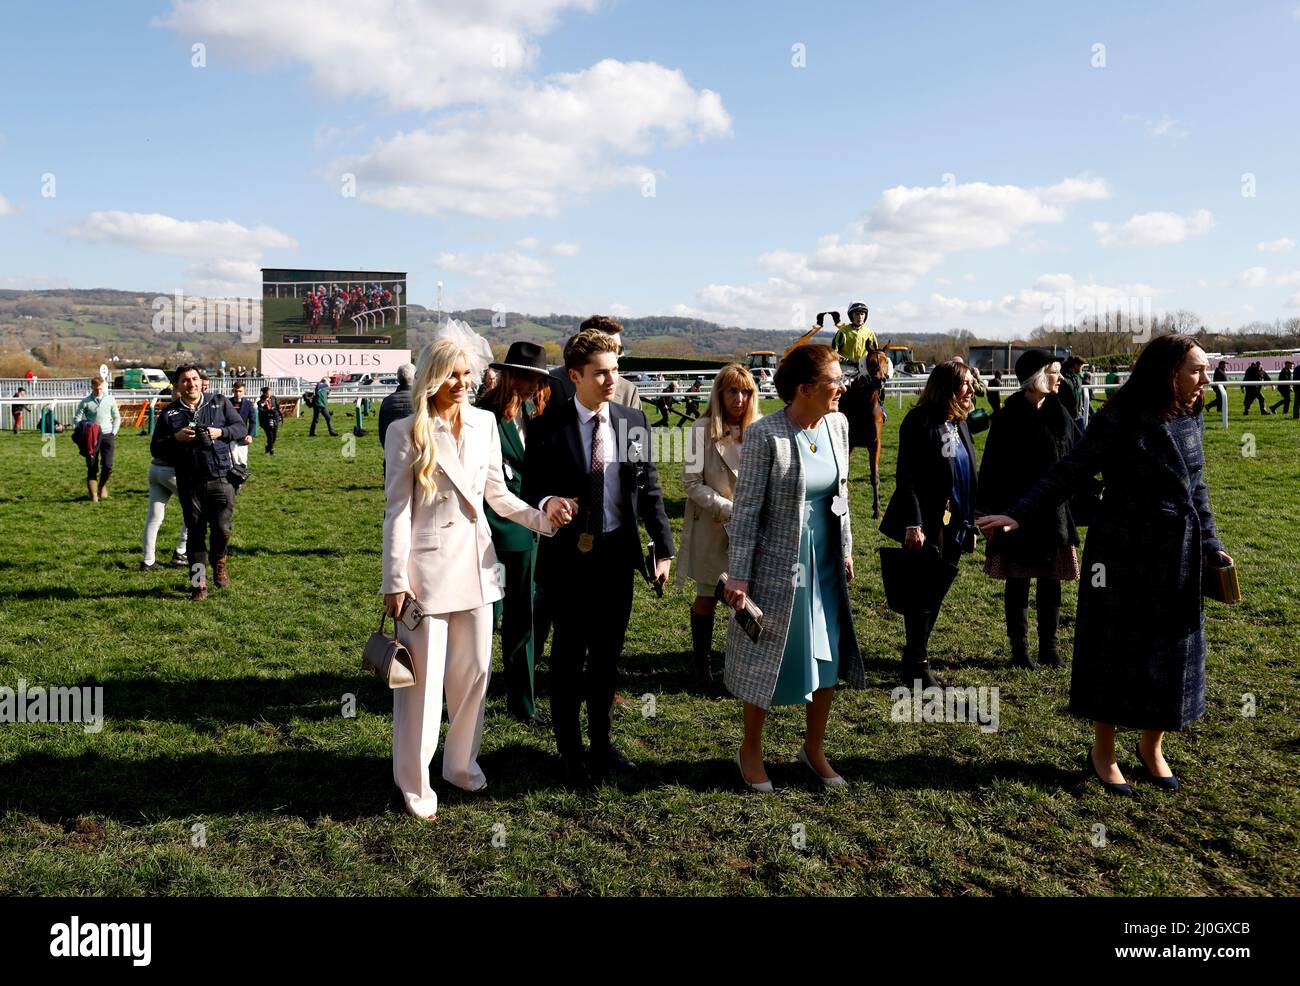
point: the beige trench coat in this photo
(710, 478)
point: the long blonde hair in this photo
(436, 362)
(731, 375)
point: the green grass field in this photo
(228, 715)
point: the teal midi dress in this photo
(811, 657)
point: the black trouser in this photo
(207, 506)
(101, 462)
(1284, 401)
(1254, 394)
(270, 430)
(590, 610)
(1214, 401)
(317, 413)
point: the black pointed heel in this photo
(1121, 789)
(1169, 783)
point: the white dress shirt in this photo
(613, 481)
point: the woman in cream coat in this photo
(441, 463)
(712, 463)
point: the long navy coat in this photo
(1139, 645)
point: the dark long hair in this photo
(939, 398)
(1150, 387)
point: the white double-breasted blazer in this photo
(441, 550)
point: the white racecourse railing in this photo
(64, 394)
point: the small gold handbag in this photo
(387, 658)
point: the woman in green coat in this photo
(519, 396)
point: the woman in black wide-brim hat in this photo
(1139, 642)
(519, 397)
(1030, 434)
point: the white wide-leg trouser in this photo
(452, 652)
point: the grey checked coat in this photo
(766, 518)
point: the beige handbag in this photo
(387, 658)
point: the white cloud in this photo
(1283, 245)
(565, 249)
(1154, 229)
(1253, 277)
(550, 142)
(7, 208)
(225, 278)
(620, 311)
(907, 234)
(528, 243)
(154, 232)
(414, 54)
(507, 280)
(503, 145)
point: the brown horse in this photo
(864, 405)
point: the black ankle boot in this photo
(921, 670)
(702, 647)
(1048, 618)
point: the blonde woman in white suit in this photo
(441, 463)
(709, 475)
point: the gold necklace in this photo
(812, 444)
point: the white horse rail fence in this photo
(62, 395)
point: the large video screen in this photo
(322, 322)
(334, 309)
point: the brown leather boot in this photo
(223, 574)
(199, 592)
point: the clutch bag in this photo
(1220, 582)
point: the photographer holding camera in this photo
(194, 434)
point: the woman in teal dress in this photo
(809, 662)
(790, 550)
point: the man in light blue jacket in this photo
(99, 407)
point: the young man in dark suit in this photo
(596, 455)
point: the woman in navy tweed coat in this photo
(1139, 650)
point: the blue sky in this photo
(953, 165)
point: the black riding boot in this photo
(1015, 604)
(916, 653)
(1049, 617)
(702, 647)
